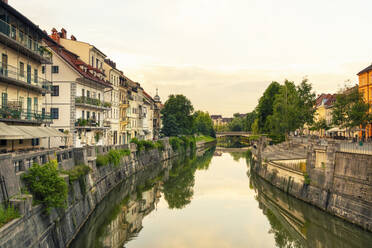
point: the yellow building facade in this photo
(22, 82)
(365, 88)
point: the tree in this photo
(265, 107)
(307, 99)
(176, 116)
(287, 114)
(350, 110)
(249, 120)
(203, 123)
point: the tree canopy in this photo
(177, 116)
(203, 124)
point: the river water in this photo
(210, 200)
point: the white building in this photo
(77, 103)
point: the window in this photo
(36, 105)
(55, 69)
(35, 75)
(97, 63)
(99, 117)
(83, 114)
(21, 69)
(99, 96)
(54, 113)
(3, 142)
(55, 90)
(82, 92)
(43, 112)
(35, 142)
(20, 141)
(94, 115)
(88, 93)
(92, 61)
(4, 100)
(88, 115)
(43, 69)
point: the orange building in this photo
(365, 87)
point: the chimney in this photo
(63, 33)
(73, 37)
(55, 35)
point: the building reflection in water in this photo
(298, 224)
(128, 222)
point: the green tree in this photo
(287, 115)
(177, 116)
(249, 120)
(350, 110)
(307, 99)
(265, 107)
(203, 124)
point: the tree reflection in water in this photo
(178, 189)
(118, 218)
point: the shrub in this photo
(148, 144)
(175, 143)
(7, 214)
(112, 157)
(77, 172)
(306, 179)
(159, 145)
(46, 185)
(102, 160)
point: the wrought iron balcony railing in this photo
(27, 78)
(13, 113)
(92, 101)
(24, 40)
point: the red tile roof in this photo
(327, 99)
(74, 60)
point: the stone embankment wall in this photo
(37, 229)
(338, 182)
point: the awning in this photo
(27, 132)
(336, 129)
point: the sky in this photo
(221, 54)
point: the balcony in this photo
(89, 124)
(13, 75)
(13, 113)
(91, 103)
(20, 41)
(124, 104)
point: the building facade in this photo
(23, 85)
(365, 88)
(77, 100)
(113, 96)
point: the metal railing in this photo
(88, 123)
(22, 75)
(12, 113)
(359, 148)
(24, 39)
(92, 101)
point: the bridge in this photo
(224, 134)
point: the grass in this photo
(204, 138)
(7, 214)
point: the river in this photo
(210, 200)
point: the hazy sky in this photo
(221, 54)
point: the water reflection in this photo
(116, 222)
(297, 224)
(193, 202)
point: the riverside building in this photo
(24, 120)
